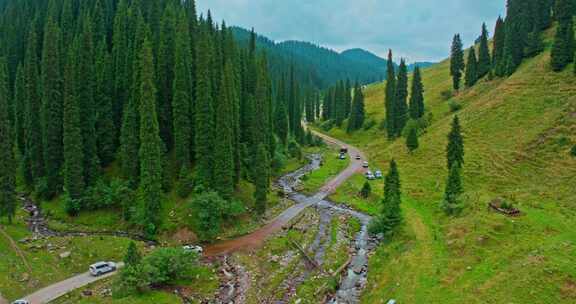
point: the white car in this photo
(101, 268)
(21, 302)
(370, 175)
(342, 156)
(194, 248)
(365, 164)
(378, 174)
(358, 157)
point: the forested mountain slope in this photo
(322, 66)
(518, 133)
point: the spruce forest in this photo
(180, 151)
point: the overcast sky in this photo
(419, 30)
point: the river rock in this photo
(65, 254)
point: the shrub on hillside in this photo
(209, 211)
(106, 195)
(573, 151)
(446, 95)
(366, 190)
(369, 124)
(327, 125)
(454, 106)
(185, 184)
(161, 267)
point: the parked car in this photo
(21, 302)
(342, 156)
(365, 164)
(370, 175)
(194, 248)
(358, 157)
(378, 174)
(101, 268)
(392, 301)
(344, 150)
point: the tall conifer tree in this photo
(484, 60)
(52, 107)
(391, 98)
(357, 114)
(73, 172)
(7, 161)
(151, 146)
(499, 40)
(105, 128)
(456, 62)
(224, 145)
(455, 148)
(564, 44)
(401, 108)
(417, 95)
(471, 69)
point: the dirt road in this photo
(57, 290)
(252, 240)
(258, 237)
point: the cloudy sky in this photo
(415, 29)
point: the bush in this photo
(106, 195)
(369, 124)
(454, 106)
(294, 149)
(452, 205)
(161, 267)
(185, 184)
(72, 207)
(327, 125)
(278, 161)
(446, 95)
(366, 190)
(573, 151)
(209, 211)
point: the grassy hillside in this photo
(518, 133)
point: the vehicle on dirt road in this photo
(378, 174)
(365, 164)
(342, 156)
(370, 175)
(194, 248)
(358, 157)
(101, 268)
(344, 151)
(21, 302)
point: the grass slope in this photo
(518, 133)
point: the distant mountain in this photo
(321, 66)
(368, 58)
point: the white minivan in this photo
(101, 268)
(21, 302)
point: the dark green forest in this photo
(163, 97)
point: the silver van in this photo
(101, 268)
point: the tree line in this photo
(516, 37)
(344, 102)
(166, 96)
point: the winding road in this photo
(252, 240)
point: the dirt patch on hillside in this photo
(568, 289)
(184, 236)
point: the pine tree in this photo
(151, 146)
(366, 190)
(417, 96)
(401, 108)
(51, 114)
(105, 127)
(224, 146)
(412, 139)
(391, 215)
(484, 60)
(456, 61)
(281, 122)
(514, 43)
(33, 159)
(498, 62)
(204, 114)
(133, 256)
(357, 114)
(166, 52)
(455, 148)
(73, 171)
(182, 101)
(391, 98)
(471, 76)
(20, 113)
(86, 85)
(451, 203)
(261, 179)
(7, 161)
(121, 62)
(564, 44)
